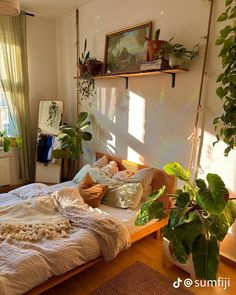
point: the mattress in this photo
(25, 265)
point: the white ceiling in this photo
(51, 8)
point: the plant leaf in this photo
(205, 253)
(228, 2)
(177, 170)
(182, 200)
(211, 199)
(151, 209)
(86, 135)
(81, 118)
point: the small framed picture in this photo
(126, 50)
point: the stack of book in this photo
(154, 65)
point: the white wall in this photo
(66, 63)
(42, 64)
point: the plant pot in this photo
(175, 61)
(82, 70)
(153, 47)
(168, 257)
(94, 67)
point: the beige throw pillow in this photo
(91, 192)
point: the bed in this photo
(50, 262)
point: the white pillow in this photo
(122, 175)
(111, 169)
(69, 197)
(82, 172)
(119, 194)
(30, 190)
(100, 163)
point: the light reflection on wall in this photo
(136, 125)
(133, 156)
(214, 161)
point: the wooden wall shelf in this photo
(170, 71)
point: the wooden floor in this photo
(149, 251)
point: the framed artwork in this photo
(126, 50)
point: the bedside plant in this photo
(198, 221)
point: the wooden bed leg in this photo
(158, 234)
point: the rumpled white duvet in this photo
(26, 264)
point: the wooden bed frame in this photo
(160, 178)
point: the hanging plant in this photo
(52, 113)
(226, 123)
(86, 88)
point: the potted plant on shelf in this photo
(94, 66)
(198, 221)
(71, 138)
(177, 53)
(154, 45)
(6, 142)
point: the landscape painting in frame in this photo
(126, 50)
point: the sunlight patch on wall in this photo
(112, 108)
(133, 156)
(111, 143)
(136, 125)
(214, 161)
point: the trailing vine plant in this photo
(52, 113)
(226, 123)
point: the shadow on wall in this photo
(125, 124)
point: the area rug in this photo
(139, 279)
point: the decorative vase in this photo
(94, 67)
(153, 47)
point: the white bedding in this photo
(24, 265)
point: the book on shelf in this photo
(154, 65)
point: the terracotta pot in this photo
(82, 69)
(153, 47)
(94, 67)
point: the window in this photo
(4, 113)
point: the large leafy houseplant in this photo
(226, 122)
(198, 221)
(71, 138)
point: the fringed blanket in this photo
(52, 217)
(32, 220)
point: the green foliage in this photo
(7, 142)
(71, 138)
(225, 124)
(151, 209)
(178, 50)
(84, 55)
(200, 217)
(86, 87)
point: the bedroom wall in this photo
(42, 64)
(164, 116)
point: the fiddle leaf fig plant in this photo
(71, 138)
(199, 219)
(225, 124)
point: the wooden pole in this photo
(195, 153)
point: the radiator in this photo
(5, 173)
